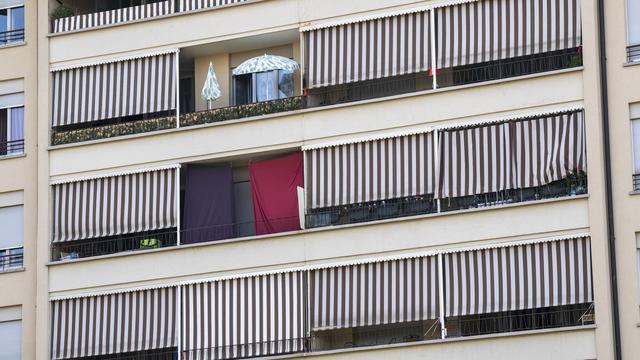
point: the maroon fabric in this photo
(274, 190)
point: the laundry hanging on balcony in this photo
(511, 278)
(244, 317)
(514, 154)
(274, 190)
(209, 212)
(488, 30)
(378, 47)
(114, 205)
(375, 293)
(113, 89)
(386, 167)
(114, 323)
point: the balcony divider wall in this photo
(279, 312)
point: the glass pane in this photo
(3, 26)
(266, 85)
(285, 84)
(242, 89)
(633, 23)
(17, 18)
(635, 125)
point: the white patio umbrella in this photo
(211, 89)
(265, 63)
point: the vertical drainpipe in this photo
(608, 187)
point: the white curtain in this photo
(17, 130)
(635, 125)
(633, 23)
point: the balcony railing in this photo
(250, 350)
(69, 136)
(13, 147)
(11, 259)
(114, 244)
(636, 182)
(11, 36)
(411, 206)
(503, 69)
(163, 354)
(633, 53)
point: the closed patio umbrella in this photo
(211, 89)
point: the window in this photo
(633, 30)
(11, 333)
(11, 22)
(634, 111)
(12, 131)
(12, 237)
(263, 86)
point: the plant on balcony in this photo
(242, 111)
(62, 11)
(113, 130)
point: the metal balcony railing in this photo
(11, 36)
(11, 258)
(249, 350)
(633, 53)
(12, 147)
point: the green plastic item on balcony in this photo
(151, 243)
(242, 111)
(113, 130)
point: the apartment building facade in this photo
(294, 178)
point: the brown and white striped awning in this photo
(115, 323)
(369, 171)
(488, 30)
(115, 205)
(112, 17)
(511, 155)
(110, 90)
(518, 277)
(190, 5)
(366, 50)
(244, 317)
(374, 293)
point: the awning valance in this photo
(116, 323)
(115, 205)
(513, 155)
(115, 16)
(190, 5)
(244, 317)
(374, 293)
(488, 30)
(366, 50)
(518, 277)
(370, 171)
(110, 90)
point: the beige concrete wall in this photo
(443, 231)
(562, 345)
(232, 138)
(19, 175)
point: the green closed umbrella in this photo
(211, 89)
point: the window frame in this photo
(10, 25)
(8, 139)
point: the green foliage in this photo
(110, 131)
(62, 11)
(242, 111)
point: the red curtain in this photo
(274, 186)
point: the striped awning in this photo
(519, 277)
(190, 5)
(244, 317)
(511, 155)
(370, 171)
(366, 50)
(115, 205)
(110, 90)
(374, 293)
(116, 323)
(112, 17)
(488, 30)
